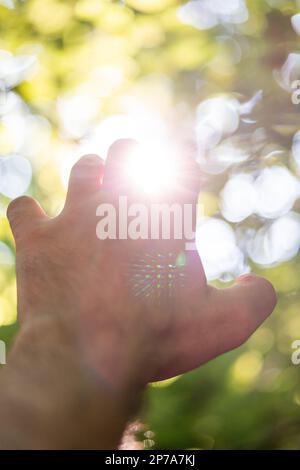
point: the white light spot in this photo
(238, 198)
(289, 72)
(15, 175)
(107, 132)
(277, 242)
(8, 4)
(218, 159)
(152, 170)
(76, 113)
(277, 190)
(205, 14)
(221, 113)
(196, 14)
(14, 69)
(248, 106)
(295, 20)
(216, 244)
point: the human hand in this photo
(68, 277)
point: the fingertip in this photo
(19, 205)
(263, 292)
(121, 147)
(90, 158)
(22, 213)
(14, 206)
(119, 156)
(88, 166)
(85, 180)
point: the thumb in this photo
(23, 213)
(244, 307)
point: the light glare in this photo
(151, 170)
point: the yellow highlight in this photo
(246, 369)
(7, 311)
(208, 204)
(150, 6)
(165, 383)
(49, 16)
(296, 398)
(89, 9)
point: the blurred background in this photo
(216, 77)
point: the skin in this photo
(87, 347)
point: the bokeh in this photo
(216, 79)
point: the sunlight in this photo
(151, 169)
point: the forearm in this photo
(50, 401)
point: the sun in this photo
(151, 169)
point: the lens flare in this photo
(152, 170)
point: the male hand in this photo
(69, 278)
(87, 343)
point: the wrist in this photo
(48, 386)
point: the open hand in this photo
(67, 277)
